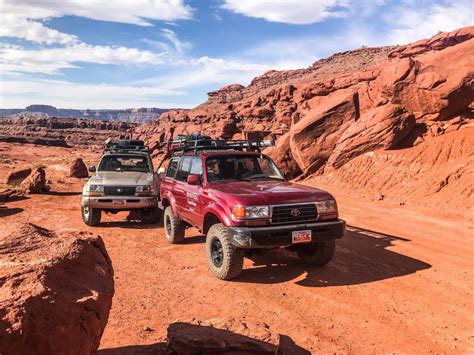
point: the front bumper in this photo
(119, 202)
(281, 236)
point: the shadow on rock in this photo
(185, 338)
(362, 256)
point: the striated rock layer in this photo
(343, 107)
(56, 291)
(62, 132)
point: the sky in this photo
(171, 53)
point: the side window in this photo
(172, 167)
(196, 167)
(183, 170)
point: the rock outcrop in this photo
(56, 291)
(78, 169)
(35, 183)
(61, 132)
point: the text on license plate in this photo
(301, 236)
(118, 202)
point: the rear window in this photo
(125, 163)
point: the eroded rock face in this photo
(16, 177)
(35, 183)
(78, 169)
(56, 291)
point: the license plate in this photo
(118, 202)
(301, 236)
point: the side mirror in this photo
(92, 169)
(193, 180)
(289, 175)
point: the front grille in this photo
(119, 190)
(301, 213)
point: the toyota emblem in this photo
(119, 191)
(295, 212)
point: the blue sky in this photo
(170, 53)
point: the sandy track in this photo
(401, 281)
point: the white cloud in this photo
(137, 12)
(22, 18)
(293, 12)
(410, 24)
(52, 60)
(22, 92)
(179, 46)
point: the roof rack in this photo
(125, 146)
(217, 144)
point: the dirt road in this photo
(401, 281)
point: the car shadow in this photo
(185, 338)
(5, 211)
(127, 225)
(197, 239)
(362, 256)
(62, 193)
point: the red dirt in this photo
(401, 281)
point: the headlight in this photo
(328, 206)
(144, 188)
(251, 212)
(96, 188)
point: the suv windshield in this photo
(124, 163)
(241, 167)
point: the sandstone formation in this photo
(346, 106)
(16, 177)
(56, 291)
(35, 183)
(78, 169)
(62, 132)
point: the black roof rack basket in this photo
(218, 144)
(125, 145)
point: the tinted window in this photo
(172, 167)
(196, 167)
(183, 170)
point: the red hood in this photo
(248, 193)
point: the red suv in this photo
(240, 200)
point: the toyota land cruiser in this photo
(123, 181)
(240, 200)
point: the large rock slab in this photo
(56, 290)
(381, 128)
(35, 183)
(313, 138)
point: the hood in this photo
(268, 192)
(125, 178)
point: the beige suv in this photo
(124, 181)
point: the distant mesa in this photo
(133, 115)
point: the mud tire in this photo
(91, 216)
(174, 227)
(317, 254)
(232, 258)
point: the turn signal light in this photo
(238, 212)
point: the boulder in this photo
(56, 290)
(16, 177)
(313, 138)
(381, 128)
(35, 183)
(78, 169)
(281, 154)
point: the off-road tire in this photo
(232, 257)
(317, 254)
(91, 216)
(150, 215)
(174, 227)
